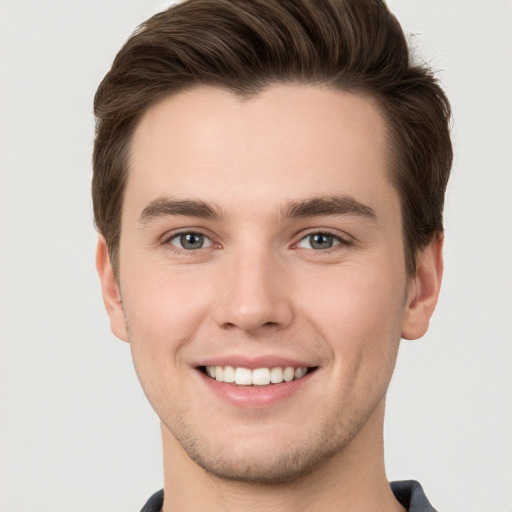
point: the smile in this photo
(258, 377)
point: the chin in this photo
(280, 468)
(264, 460)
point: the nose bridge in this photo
(252, 294)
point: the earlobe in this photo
(424, 290)
(110, 290)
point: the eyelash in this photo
(338, 241)
(341, 241)
(180, 250)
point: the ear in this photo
(423, 290)
(110, 290)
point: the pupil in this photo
(320, 241)
(192, 241)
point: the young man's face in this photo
(262, 234)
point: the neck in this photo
(353, 479)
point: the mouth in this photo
(261, 377)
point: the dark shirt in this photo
(411, 496)
(409, 493)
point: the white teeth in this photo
(229, 374)
(300, 372)
(276, 375)
(288, 374)
(243, 377)
(261, 377)
(258, 377)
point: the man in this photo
(268, 187)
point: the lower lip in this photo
(254, 396)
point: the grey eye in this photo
(319, 241)
(190, 241)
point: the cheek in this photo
(360, 315)
(361, 301)
(163, 300)
(163, 309)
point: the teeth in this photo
(257, 377)
(300, 372)
(229, 374)
(276, 375)
(261, 377)
(243, 376)
(288, 374)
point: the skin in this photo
(258, 286)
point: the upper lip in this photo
(263, 361)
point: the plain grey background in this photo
(76, 432)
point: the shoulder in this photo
(155, 503)
(408, 492)
(411, 495)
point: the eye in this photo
(190, 241)
(319, 241)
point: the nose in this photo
(254, 294)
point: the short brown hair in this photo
(245, 45)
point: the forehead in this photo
(286, 142)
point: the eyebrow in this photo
(330, 205)
(188, 207)
(313, 207)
